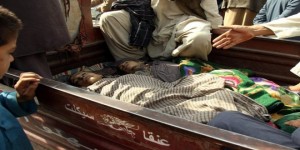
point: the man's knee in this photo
(200, 45)
(114, 19)
(105, 18)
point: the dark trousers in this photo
(250, 126)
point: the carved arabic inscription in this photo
(76, 110)
(150, 137)
(117, 124)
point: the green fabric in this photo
(195, 66)
(236, 80)
(289, 109)
(241, 83)
(281, 122)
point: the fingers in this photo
(30, 74)
(29, 92)
(222, 43)
(27, 85)
(222, 36)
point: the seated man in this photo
(247, 125)
(183, 30)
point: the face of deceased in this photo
(131, 66)
(84, 79)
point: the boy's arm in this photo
(21, 102)
(18, 109)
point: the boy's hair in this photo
(10, 25)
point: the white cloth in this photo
(285, 27)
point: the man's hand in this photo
(235, 35)
(26, 86)
(294, 123)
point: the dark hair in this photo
(10, 25)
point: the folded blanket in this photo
(197, 97)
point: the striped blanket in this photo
(197, 97)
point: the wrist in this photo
(259, 30)
(22, 99)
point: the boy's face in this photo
(6, 55)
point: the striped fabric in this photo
(197, 97)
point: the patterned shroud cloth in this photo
(197, 97)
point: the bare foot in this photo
(295, 88)
(294, 123)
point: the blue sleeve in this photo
(296, 136)
(261, 17)
(292, 8)
(9, 101)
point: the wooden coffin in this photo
(73, 118)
